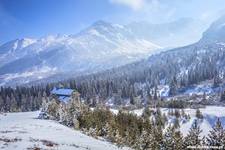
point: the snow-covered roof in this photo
(64, 99)
(62, 92)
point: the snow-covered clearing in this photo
(23, 131)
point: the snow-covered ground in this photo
(23, 131)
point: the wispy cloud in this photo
(134, 4)
(169, 10)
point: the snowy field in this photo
(22, 131)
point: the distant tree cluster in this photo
(21, 98)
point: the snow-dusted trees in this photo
(147, 113)
(53, 109)
(145, 141)
(173, 86)
(222, 97)
(172, 139)
(193, 138)
(199, 114)
(216, 79)
(216, 136)
(149, 131)
(124, 128)
(21, 98)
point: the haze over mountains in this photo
(193, 69)
(101, 46)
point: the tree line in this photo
(22, 98)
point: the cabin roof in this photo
(64, 99)
(62, 91)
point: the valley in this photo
(112, 75)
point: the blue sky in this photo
(37, 18)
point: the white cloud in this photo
(134, 4)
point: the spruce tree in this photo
(178, 140)
(146, 113)
(158, 138)
(168, 141)
(172, 139)
(145, 141)
(199, 114)
(176, 123)
(216, 135)
(193, 137)
(222, 97)
(173, 86)
(216, 79)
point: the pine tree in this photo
(216, 135)
(159, 118)
(111, 132)
(198, 114)
(146, 113)
(132, 102)
(204, 97)
(178, 140)
(173, 86)
(204, 141)
(176, 123)
(222, 97)
(157, 139)
(118, 138)
(172, 139)
(168, 141)
(216, 79)
(145, 141)
(155, 93)
(177, 113)
(193, 137)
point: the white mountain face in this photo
(98, 47)
(101, 46)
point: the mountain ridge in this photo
(93, 49)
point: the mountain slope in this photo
(101, 46)
(216, 32)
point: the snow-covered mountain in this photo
(101, 46)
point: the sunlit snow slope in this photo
(24, 131)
